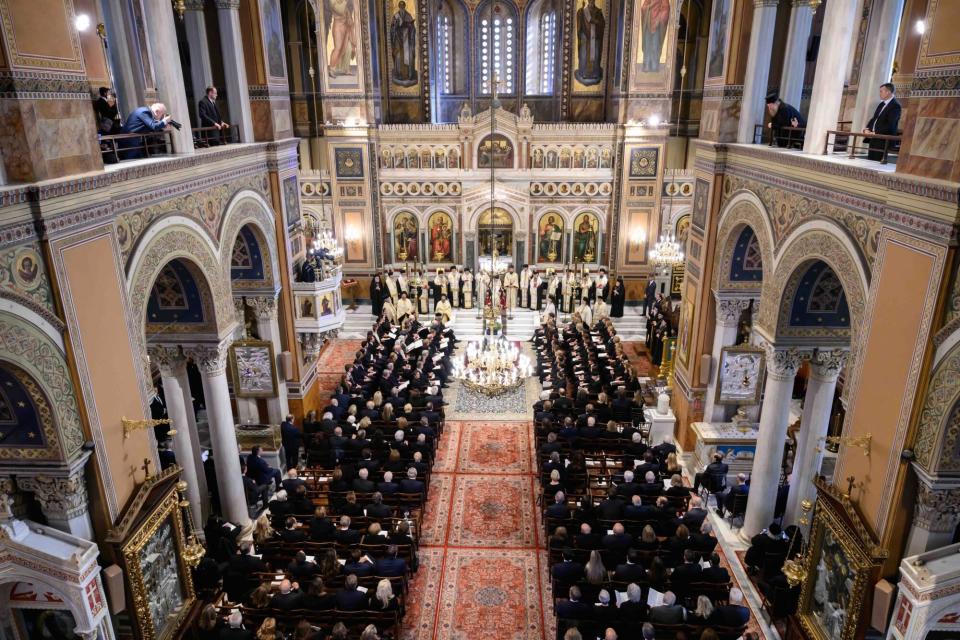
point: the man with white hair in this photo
(633, 608)
(410, 484)
(732, 614)
(651, 485)
(235, 630)
(144, 120)
(288, 598)
(388, 486)
(695, 514)
(559, 507)
(628, 487)
(669, 612)
(362, 483)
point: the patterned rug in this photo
(483, 572)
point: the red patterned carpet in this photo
(482, 573)
(330, 363)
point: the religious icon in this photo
(441, 237)
(718, 38)
(740, 374)
(403, 43)
(551, 235)
(495, 151)
(326, 305)
(341, 37)
(654, 18)
(26, 270)
(585, 236)
(405, 237)
(682, 230)
(590, 27)
(307, 308)
(273, 36)
(495, 232)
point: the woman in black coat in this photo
(617, 299)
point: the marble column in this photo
(936, 514)
(795, 56)
(782, 365)
(825, 368)
(63, 501)
(183, 381)
(836, 41)
(877, 65)
(728, 312)
(124, 54)
(758, 68)
(265, 308)
(212, 361)
(168, 74)
(173, 369)
(201, 75)
(235, 73)
(247, 412)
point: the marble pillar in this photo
(201, 75)
(795, 56)
(265, 308)
(728, 311)
(836, 41)
(123, 53)
(825, 368)
(63, 500)
(173, 369)
(877, 65)
(183, 381)
(235, 74)
(212, 361)
(782, 365)
(758, 68)
(168, 74)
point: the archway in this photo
(495, 232)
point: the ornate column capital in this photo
(240, 307)
(193, 5)
(227, 4)
(211, 358)
(729, 310)
(8, 498)
(807, 4)
(937, 510)
(765, 3)
(782, 363)
(169, 359)
(60, 497)
(265, 307)
(826, 365)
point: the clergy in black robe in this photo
(541, 294)
(784, 115)
(377, 292)
(650, 297)
(617, 298)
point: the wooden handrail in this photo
(148, 144)
(848, 143)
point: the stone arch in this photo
(31, 350)
(68, 602)
(744, 209)
(938, 432)
(499, 203)
(248, 208)
(827, 243)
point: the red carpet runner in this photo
(483, 573)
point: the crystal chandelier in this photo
(667, 252)
(325, 242)
(492, 366)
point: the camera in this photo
(176, 125)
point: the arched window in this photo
(496, 35)
(444, 41)
(543, 33)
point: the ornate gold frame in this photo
(235, 373)
(743, 348)
(835, 512)
(169, 507)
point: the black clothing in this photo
(784, 118)
(885, 121)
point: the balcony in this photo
(318, 306)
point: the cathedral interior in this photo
(212, 212)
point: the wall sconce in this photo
(81, 22)
(920, 27)
(861, 442)
(352, 234)
(638, 238)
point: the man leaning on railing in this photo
(144, 120)
(783, 116)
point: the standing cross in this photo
(146, 468)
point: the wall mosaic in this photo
(420, 188)
(789, 210)
(936, 433)
(32, 351)
(206, 207)
(571, 189)
(419, 157)
(554, 156)
(741, 214)
(22, 275)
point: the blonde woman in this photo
(262, 531)
(702, 612)
(377, 399)
(594, 571)
(267, 630)
(672, 466)
(384, 598)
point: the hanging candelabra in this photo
(667, 252)
(492, 366)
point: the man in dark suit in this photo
(143, 120)
(292, 439)
(362, 483)
(669, 612)
(559, 507)
(631, 570)
(210, 115)
(733, 614)
(636, 510)
(611, 507)
(715, 573)
(885, 121)
(291, 532)
(568, 570)
(348, 598)
(741, 488)
(587, 539)
(715, 469)
(292, 481)
(628, 487)
(688, 572)
(651, 486)
(287, 599)
(235, 629)
(376, 510)
(358, 565)
(260, 470)
(695, 515)
(240, 577)
(650, 296)
(410, 484)
(771, 541)
(344, 534)
(618, 541)
(390, 566)
(573, 608)
(388, 486)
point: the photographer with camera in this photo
(144, 120)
